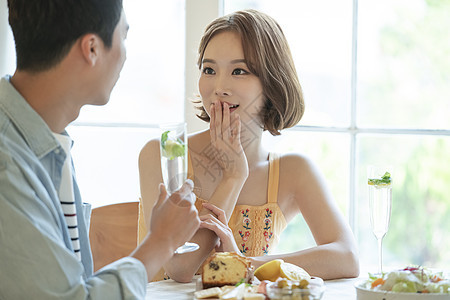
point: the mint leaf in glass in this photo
(385, 180)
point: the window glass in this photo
(403, 64)
(150, 89)
(106, 162)
(420, 216)
(319, 35)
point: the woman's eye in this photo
(208, 71)
(239, 72)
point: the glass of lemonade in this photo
(173, 147)
(174, 163)
(380, 201)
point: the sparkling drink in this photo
(174, 164)
(380, 198)
(173, 155)
(380, 201)
(174, 172)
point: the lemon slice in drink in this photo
(379, 185)
(293, 272)
(172, 148)
(269, 271)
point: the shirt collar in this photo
(33, 128)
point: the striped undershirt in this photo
(66, 195)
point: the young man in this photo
(69, 54)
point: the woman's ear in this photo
(90, 48)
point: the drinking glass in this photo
(174, 160)
(380, 201)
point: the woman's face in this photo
(225, 77)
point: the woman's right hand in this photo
(225, 131)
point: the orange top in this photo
(256, 229)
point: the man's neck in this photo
(49, 95)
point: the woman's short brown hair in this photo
(269, 57)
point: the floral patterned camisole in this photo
(257, 229)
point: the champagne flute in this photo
(380, 202)
(173, 145)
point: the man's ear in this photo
(90, 48)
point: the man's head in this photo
(45, 30)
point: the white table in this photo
(342, 289)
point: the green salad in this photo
(410, 280)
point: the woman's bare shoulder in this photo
(198, 141)
(149, 151)
(298, 169)
(150, 146)
(295, 161)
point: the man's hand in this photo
(175, 219)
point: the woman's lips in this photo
(232, 107)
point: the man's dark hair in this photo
(45, 30)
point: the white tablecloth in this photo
(342, 289)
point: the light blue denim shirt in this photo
(36, 254)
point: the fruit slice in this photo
(173, 149)
(293, 272)
(269, 271)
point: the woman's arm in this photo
(335, 255)
(303, 189)
(225, 138)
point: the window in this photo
(375, 77)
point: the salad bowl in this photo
(408, 283)
(363, 293)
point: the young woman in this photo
(245, 195)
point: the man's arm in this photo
(36, 263)
(174, 221)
